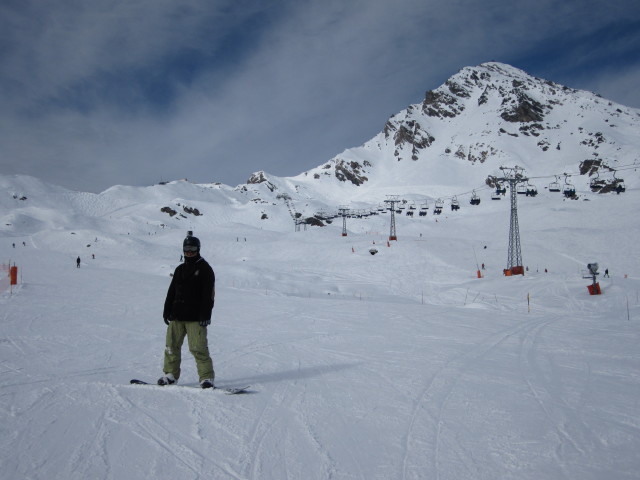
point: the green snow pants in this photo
(198, 346)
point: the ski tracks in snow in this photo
(267, 428)
(430, 407)
(287, 438)
(186, 445)
(576, 440)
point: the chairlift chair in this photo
(620, 187)
(569, 190)
(437, 210)
(554, 186)
(521, 189)
(475, 199)
(455, 205)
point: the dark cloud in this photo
(99, 93)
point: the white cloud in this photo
(620, 86)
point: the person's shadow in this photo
(293, 374)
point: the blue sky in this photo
(106, 92)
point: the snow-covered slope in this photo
(400, 365)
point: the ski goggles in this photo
(190, 248)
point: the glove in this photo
(167, 321)
(205, 323)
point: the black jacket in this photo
(192, 292)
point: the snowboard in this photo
(227, 390)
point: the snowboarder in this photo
(78, 262)
(187, 312)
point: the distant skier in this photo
(78, 262)
(606, 273)
(187, 312)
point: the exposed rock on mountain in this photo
(351, 171)
(259, 177)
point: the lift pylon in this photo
(343, 212)
(392, 200)
(513, 176)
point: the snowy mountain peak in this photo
(486, 116)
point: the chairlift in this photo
(424, 209)
(475, 199)
(501, 189)
(532, 191)
(437, 210)
(569, 190)
(521, 189)
(554, 186)
(595, 183)
(496, 196)
(620, 187)
(455, 205)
